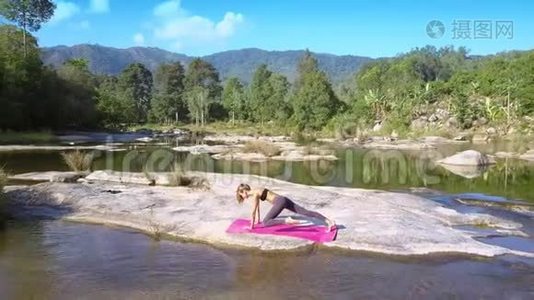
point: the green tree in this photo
(79, 91)
(233, 98)
(28, 14)
(524, 74)
(21, 82)
(307, 65)
(279, 97)
(314, 101)
(168, 102)
(202, 73)
(202, 88)
(260, 93)
(113, 105)
(198, 101)
(136, 83)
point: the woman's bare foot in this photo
(330, 224)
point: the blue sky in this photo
(369, 28)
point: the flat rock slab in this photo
(9, 148)
(200, 149)
(503, 154)
(234, 139)
(289, 155)
(398, 145)
(441, 140)
(252, 156)
(120, 177)
(52, 176)
(376, 221)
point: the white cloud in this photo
(64, 11)
(99, 6)
(180, 28)
(139, 39)
(169, 8)
(228, 25)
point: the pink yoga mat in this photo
(314, 233)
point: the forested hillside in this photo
(424, 90)
(235, 63)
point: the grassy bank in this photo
(26, 137)
(339, 130)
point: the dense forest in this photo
(423, 89)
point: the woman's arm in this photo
(258, 212)
(256, 207)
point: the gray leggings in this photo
(280, 203)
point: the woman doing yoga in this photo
(279, 203)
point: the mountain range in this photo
(239, 63)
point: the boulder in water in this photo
(468, 158)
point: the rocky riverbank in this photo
(369, 220)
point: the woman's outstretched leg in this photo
(292, 206)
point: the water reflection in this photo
(376, 169)
(58, 260)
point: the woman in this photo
(279, 203)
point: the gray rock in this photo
(145, 139)
(295, 155)
(200, 149)
(491, 131)
(439, 140)
(398, 145)
(452, 122)
(418, 124)
(120, 177)
(502, 154)
(435, 139)
(442, 114)
(9, 148)
(249, 156)
(529, 155)
(433, 118)
(52, 176)
(235, 139)
(382, 222)
(68, 178)
(377, 127)
(468, 158)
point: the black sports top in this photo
(264, 194)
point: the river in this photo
(59, 260)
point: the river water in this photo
(58, 260)
(50, 259)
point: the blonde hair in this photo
(240, 188)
